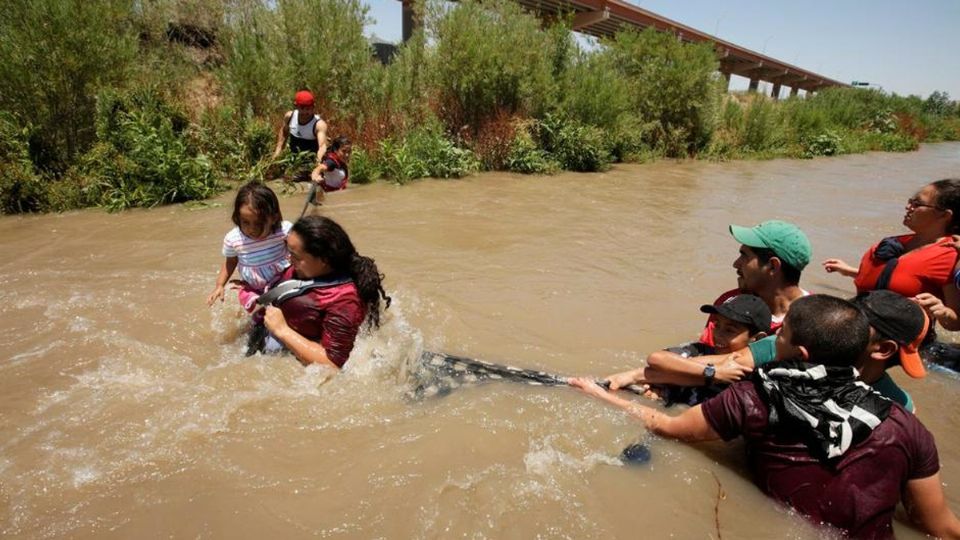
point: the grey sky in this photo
(904, 47)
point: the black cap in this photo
(898, 318)
(745, 309)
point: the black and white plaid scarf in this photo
(833, 409)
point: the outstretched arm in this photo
(927, 507)
(840, 267)
(317, 174)
(226, 270)
(665, 367)
(691, 425)
(320, 130)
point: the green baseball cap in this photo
(786, 240)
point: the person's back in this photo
(818, 439)
(858, 492)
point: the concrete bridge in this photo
(604, 18)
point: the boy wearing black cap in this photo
(739, 321)
(898, 326)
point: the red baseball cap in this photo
(303, 99)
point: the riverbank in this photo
(154, 104)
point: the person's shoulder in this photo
(903, 428)
(233, 236)
(944, 248)
(763, 350)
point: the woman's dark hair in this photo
(325, 239)
(791, 274)
(834, 331)
(948, 198)
(338, 143)
(263, 201)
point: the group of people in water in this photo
(801, 377)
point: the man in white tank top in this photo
(303, 127)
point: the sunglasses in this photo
(915, 202)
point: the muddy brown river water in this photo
(128, 410)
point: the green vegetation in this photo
(120, 103)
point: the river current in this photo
(127, 408)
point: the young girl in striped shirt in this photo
(256, 246)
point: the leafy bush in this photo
(892, 142)
(828, 143)
(494, 139)
(363, 168)
(761, 125)
(595, 92)
(627, 140)
(56, 56)
(527, 158)
(575, 146)
(490, 56)
(944, 129)
(671, 83)
(142, 156)
(274, 48)
(424, 152)
(21, 189)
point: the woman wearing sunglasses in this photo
(919, 265)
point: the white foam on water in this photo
(84, 475)
(39, 352)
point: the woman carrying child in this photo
(320, 325)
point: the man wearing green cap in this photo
(772, 256)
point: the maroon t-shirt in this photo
(331, 316)
(858, 494)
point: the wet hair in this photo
(834, 331)
(948, 198)
(263, 201)
(325, 239)
(791, 274)
(338, 143)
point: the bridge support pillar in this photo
(754, 84)
(775, 93)
(408, 17)
(793, 91)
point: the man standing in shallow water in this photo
(818, 439)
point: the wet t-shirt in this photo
(330, 316)
(858, 494)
